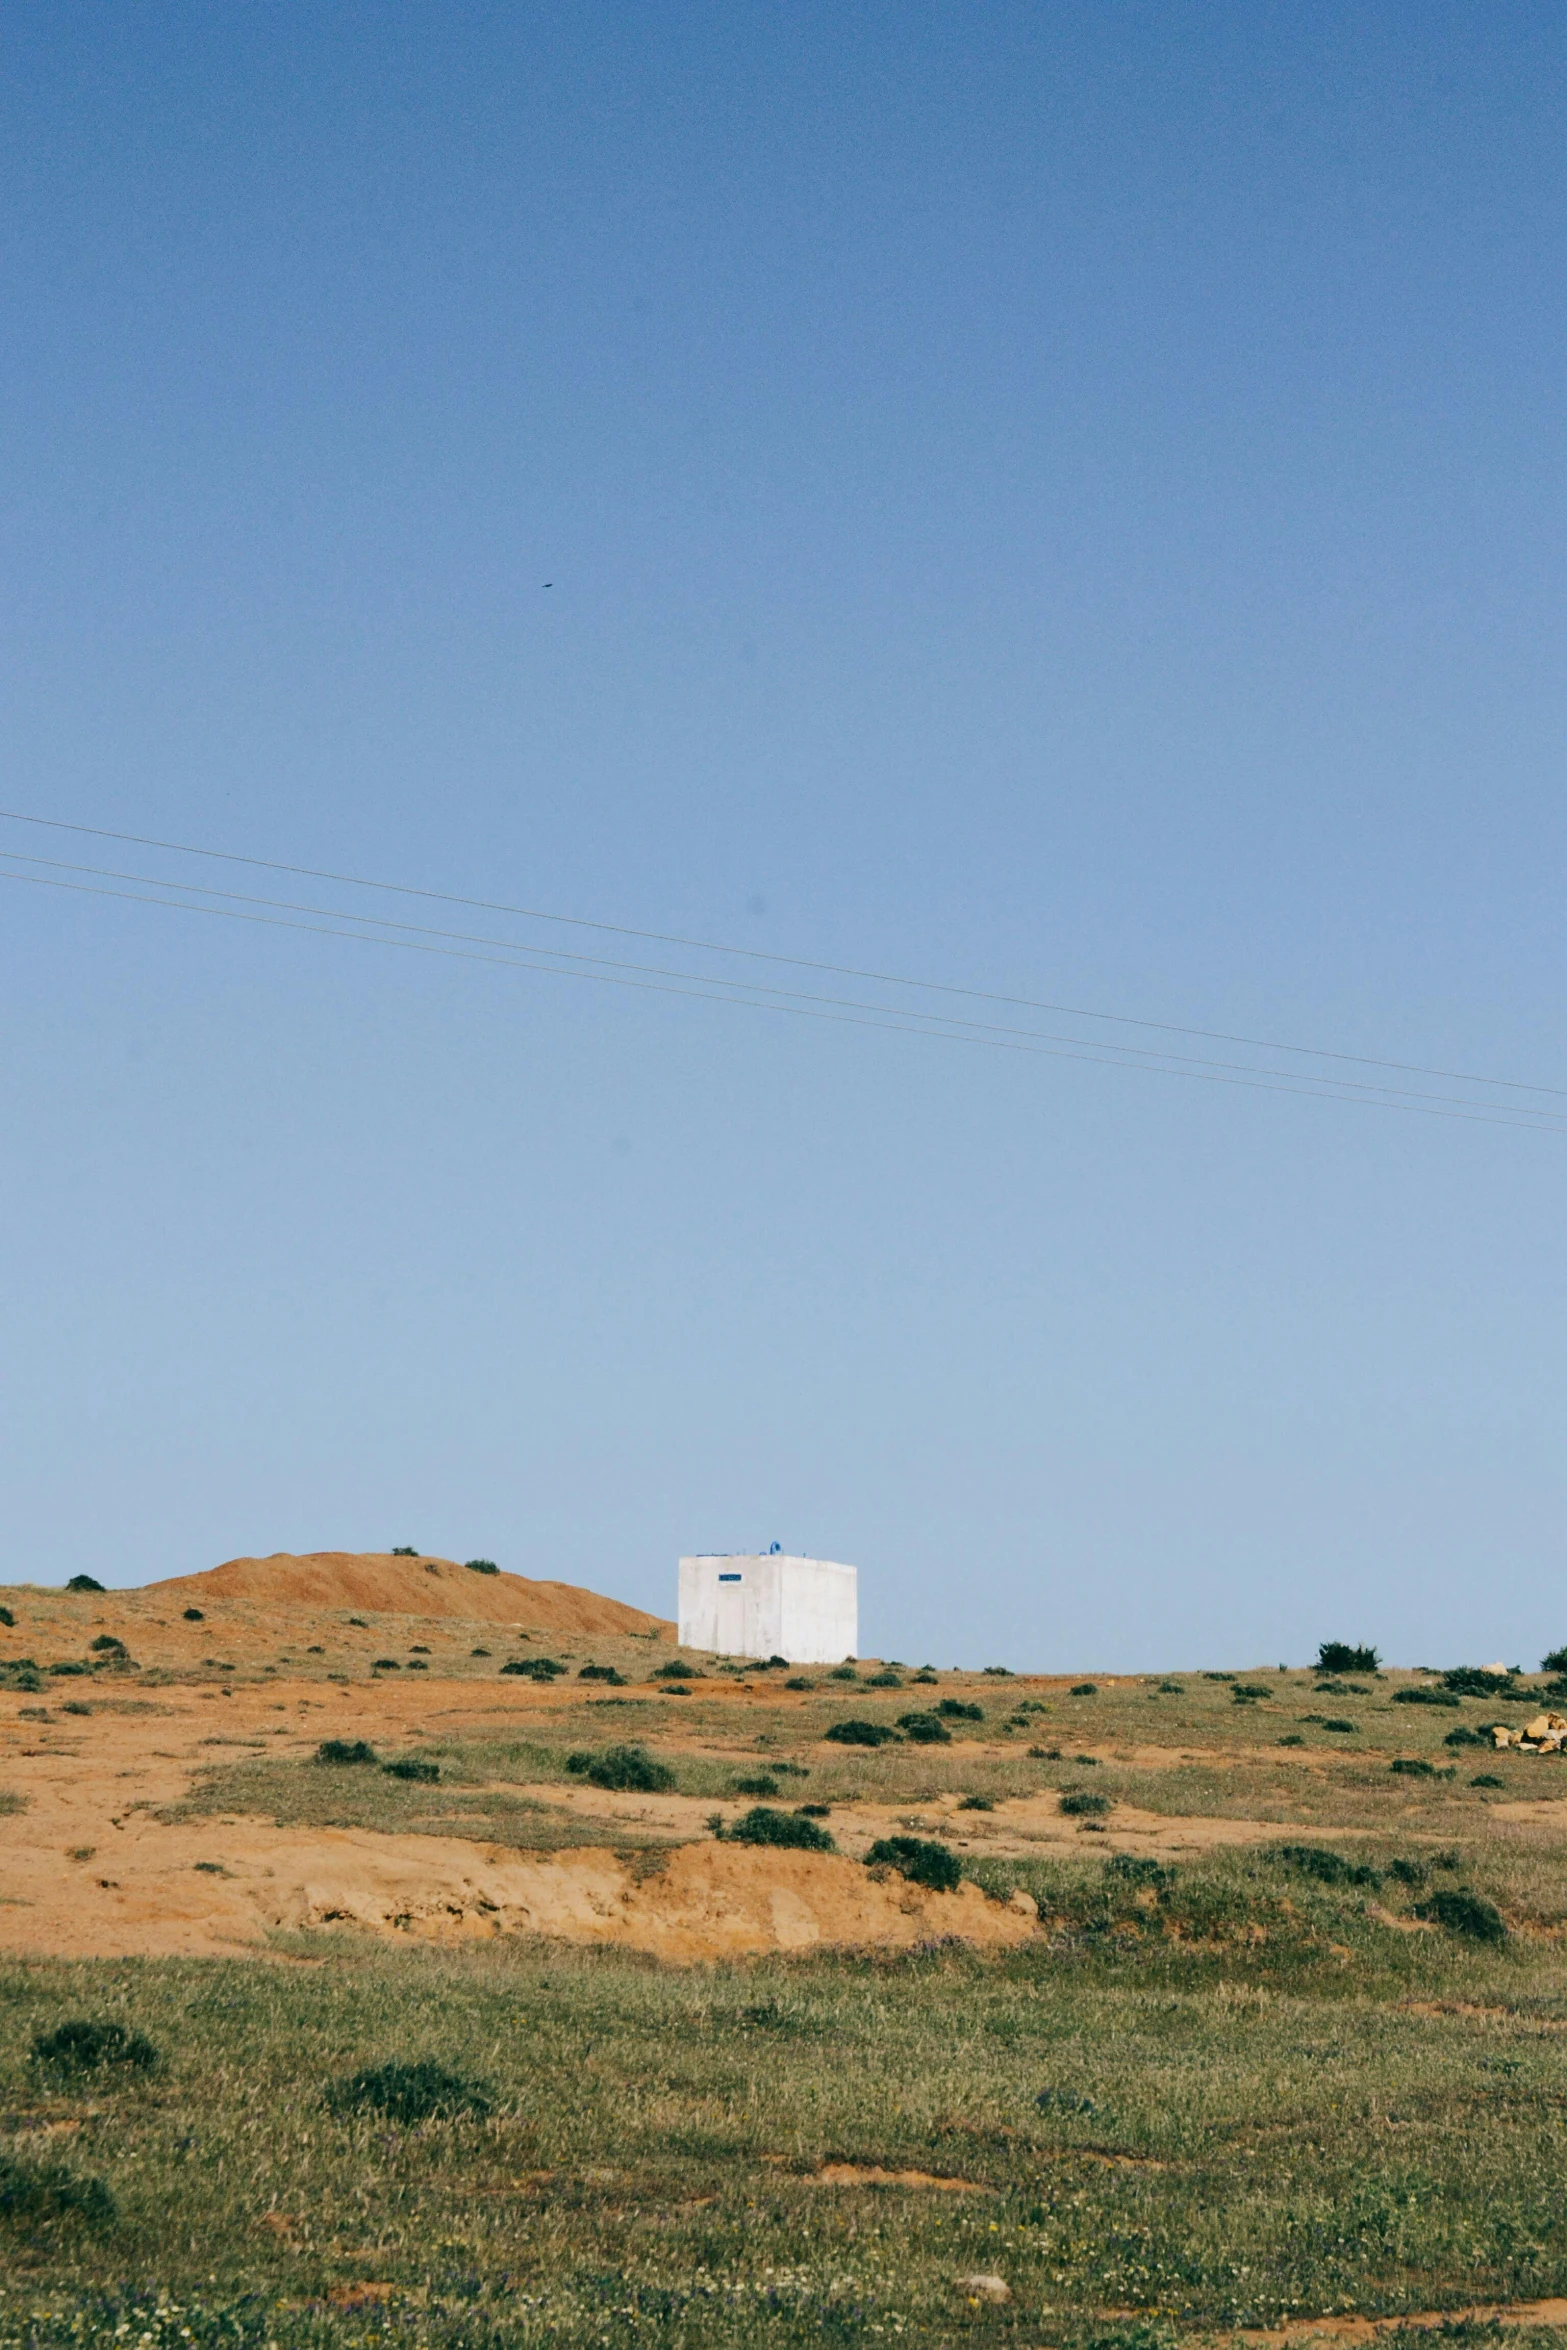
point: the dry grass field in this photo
(1231, 2004)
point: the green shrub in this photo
(1135, 1868)
(998, 1672)
(624, 1770)
(1471, 1681)
(674, 1672)
(796, 1831)
(534, 1668)
(953, 1709)
(7, 1619)
(1247, 1693)
(22, 1674)
(925, 1729)
(35, 2193)
(920, 1859)
(414, 1767)
(82, 2046)
(843, 1673)
(1556, 1662)
(1172, 1689)
(107, 1645)
(389, 1664)
(1079, 1804)
(1084, 1689)
(1462, 1912)
(193, 1615)
(976, 1803)
(84, 1583)
(797, 1683)
(1407, 1872)
(1325, 1866)
(345, 1750)
(1337, 1723)
(884, 1681)
(605, 1673)
(760, 1783)
(1463, 1736)
(1487, 1779)
(1424, 1696)
(1337, 1656)
(1412, 1766)
(481, 1566)
(1292, 1738)
(814, 1811)
(408, 2093)
(855, 1733)
(406, 1550)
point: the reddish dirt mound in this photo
(373, 1580)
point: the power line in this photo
(793, 962)
(894, 1019)
(1131, 1056)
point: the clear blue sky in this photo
(1064, 499)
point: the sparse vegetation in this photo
(628, 1770)
(409, 2093)
(1341, 1656)
(793, 1830)
(481, 1566)
(345, 1750)
(85, 2045)
(919, 1858)
(413, 1768)
(84, 1583)
(925, 1729)
(1080, 1803)
(193, 1615)
(43, 2195)
(1462, 1912)
(857, 1733)
(534, 1668)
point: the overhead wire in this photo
(795, 962)
(709, 985)
(895, 1020)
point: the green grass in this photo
(1213, 2094)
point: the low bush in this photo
(389, 1664)
(534, 1668)
(920, 1859)
(925, 1729)
(22, 1674)
(814, 1811)
(624, 1770)
(7, 1619)
(1079, 1803)
(1407, 1872)
(1247, 1693)
(884, 1681)
(345, 1750)
(953, 1709)
(795, 1831)
(1412, 1766)
(84, 1583)
(409, 2093)
(1424, 1696)
(675, 1672)
(1487, 1779)
(605, 1673)
(84, 2046)
(798, 1683)
(481, 1566)
(1084, 1689)
(976, 1803)
(998, 1672)
(1462, 1912)
(406, 1550)
(107, 1645)
(1473, 1681)
(856, 1733)
(843, 1673)
(1556, 1662)
(759, 1783)
(36, 2193)
(1135, 1868)
(414, 1767)
(1324, 1866)
(1338, 1656)
(1463, 1736)
(1292, 1738)
(193, 1615)
(1337, 1724)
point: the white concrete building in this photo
(766, 1604)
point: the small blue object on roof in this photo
(774, 1549)
(729, 1578)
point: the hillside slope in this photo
(374, 1581)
